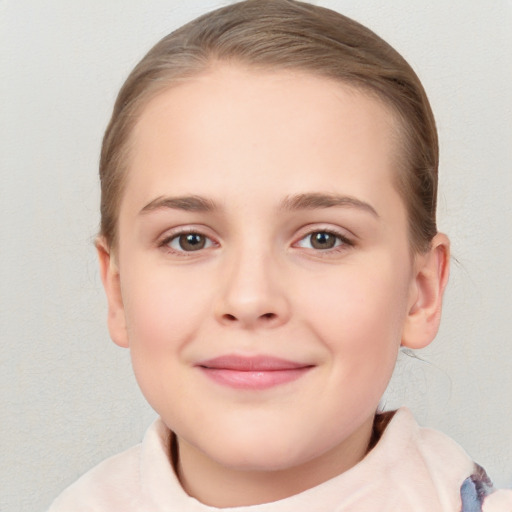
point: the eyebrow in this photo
(308, 201)
(313, 201)
(186, 203)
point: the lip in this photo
(252, 372)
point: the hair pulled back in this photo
(283, 35)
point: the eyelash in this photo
(342, 242)
(165, 243)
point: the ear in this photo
(425, 304)
(111, 283)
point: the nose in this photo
(253, 293)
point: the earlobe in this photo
(431, 277)
(109, 273)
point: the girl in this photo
(268, 242)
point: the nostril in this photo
(265, 318)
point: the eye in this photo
(188, 242)
(322, 240)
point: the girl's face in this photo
(263, 279)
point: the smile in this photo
(253, 373)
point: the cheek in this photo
(162, 308)
(163, 314)
(359, 312)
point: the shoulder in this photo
(477, 492)
(119, 483)
(426, 467)
(108, 486)
(498, 501)
(441, 456)
(459, 483)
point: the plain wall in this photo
(68, 396)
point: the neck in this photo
(220, 486)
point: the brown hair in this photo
(284, 34)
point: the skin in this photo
(253, 144)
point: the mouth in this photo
(252, 372)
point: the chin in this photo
(260, 453)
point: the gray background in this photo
(68, 398)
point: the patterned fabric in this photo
(475, 489)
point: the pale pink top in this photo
(411, 469)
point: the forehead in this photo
(219, 90)
(236, 127)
